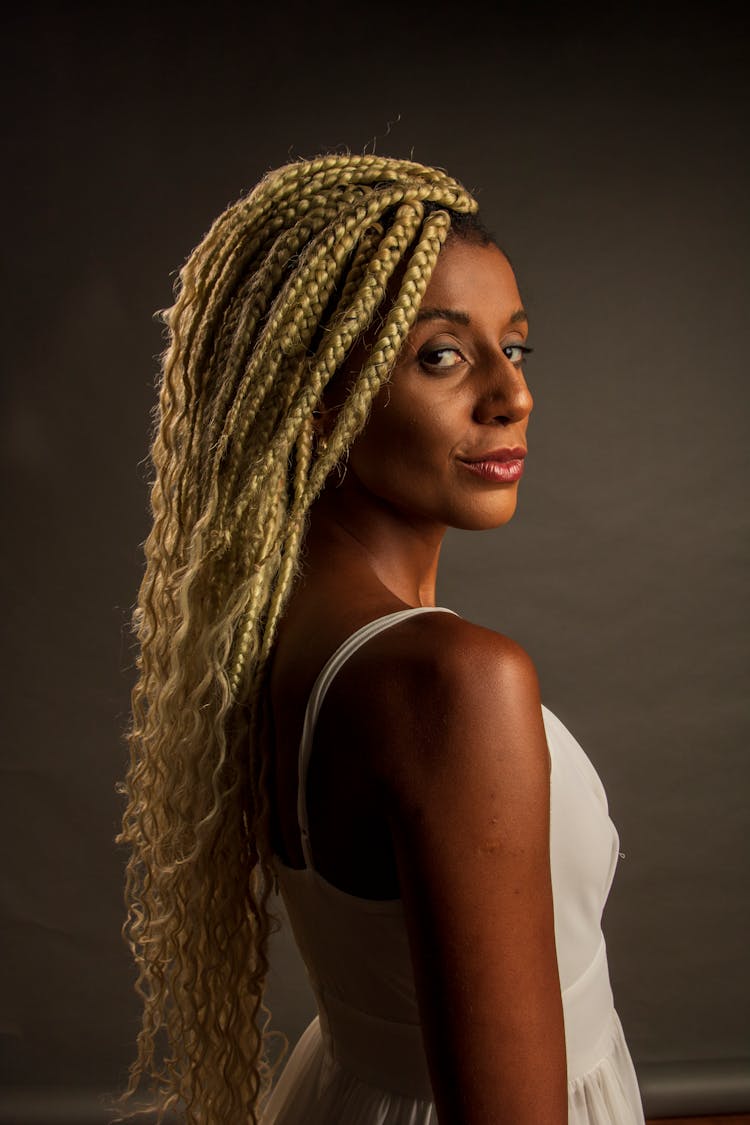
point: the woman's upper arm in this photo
(466, 782)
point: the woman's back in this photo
(377, 695)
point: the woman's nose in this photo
(507, 397)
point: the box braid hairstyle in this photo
(268, 307)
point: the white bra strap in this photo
(318, 694)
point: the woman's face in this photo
(446, 438)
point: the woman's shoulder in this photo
(428, 654)
(454, 645)
(442, 686)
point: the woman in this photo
(344, 380)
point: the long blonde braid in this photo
(269, 306)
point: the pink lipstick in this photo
(500, 466)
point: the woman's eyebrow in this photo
(444, 314)
(463, 318)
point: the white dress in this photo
(361, 1061)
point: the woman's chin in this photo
(485, 517)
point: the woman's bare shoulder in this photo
(444, 645)
(440, 685)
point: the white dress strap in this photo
(318, 694)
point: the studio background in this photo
(609, 157)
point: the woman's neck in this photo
(364, 540)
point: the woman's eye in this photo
(441, 358)
(516, 353)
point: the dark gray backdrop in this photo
(610, 158)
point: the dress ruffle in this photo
(318, 1090)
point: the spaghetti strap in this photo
(318, 694)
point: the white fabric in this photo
(361, 1061)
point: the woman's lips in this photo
(502, 466)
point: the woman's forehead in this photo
(467, 278)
